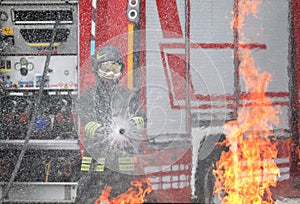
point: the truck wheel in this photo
(209, 182)
(204, 178)
(204, 182)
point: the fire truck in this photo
(179, 54)
(39, 79)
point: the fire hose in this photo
(35, 113)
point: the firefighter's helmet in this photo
(108, 63)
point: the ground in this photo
(288, 200)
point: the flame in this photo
(134, 195)
(244, 8)
(247, 171)
(298, 154)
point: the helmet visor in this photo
(109, 70)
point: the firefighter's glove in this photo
(91, 128)
(139, 122)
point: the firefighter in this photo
(104, 109)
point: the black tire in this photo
(204, 178)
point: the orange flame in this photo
(247, 170)
(298, 153)
(243, 8)
(134, 195)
